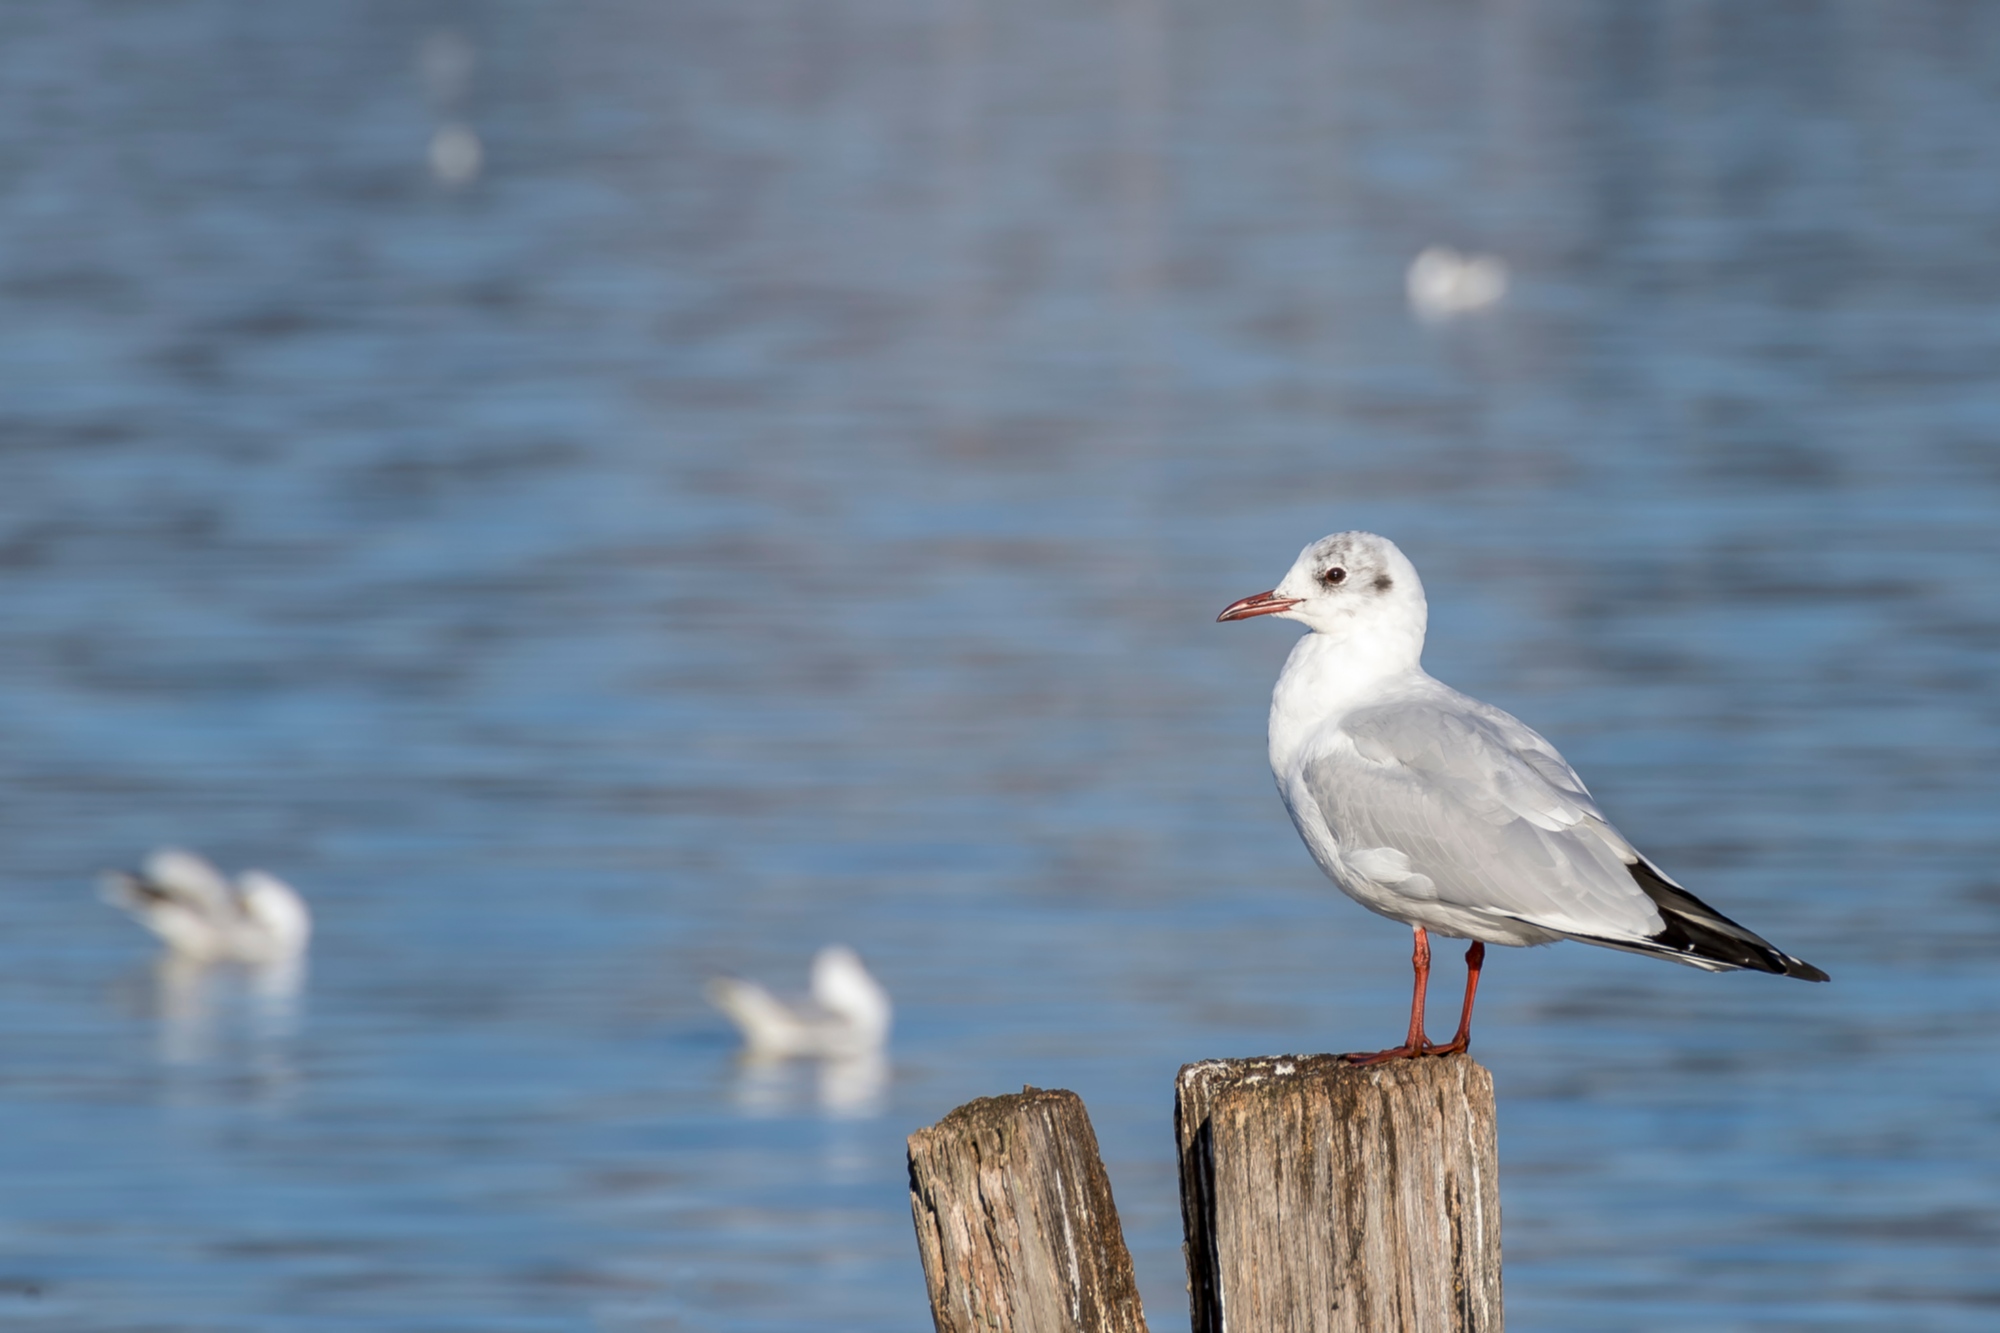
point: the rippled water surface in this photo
(780, 492)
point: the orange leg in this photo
(1415, 1043)
(1475, 958)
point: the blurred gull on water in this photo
(456, 155)
(847, 1014)
(445, 61)
(843, 1024)
(203, 918)
(233, 950)
(1442, 282)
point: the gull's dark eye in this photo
(1333, 576)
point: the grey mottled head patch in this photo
(1383, 583)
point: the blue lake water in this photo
(783, 496)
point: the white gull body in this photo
(847, 1014)
(1446, 813)
(203, 918)
(1442, 283)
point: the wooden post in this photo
(1320, 1195)
(1015, 1220)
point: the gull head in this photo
(281, 923)
(1352, 584)
(844, 988)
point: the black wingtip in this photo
(1696, 930)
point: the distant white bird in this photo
(204, 918)
(456, 154)
(1442, 282)
(848, 1012)
(1443, 812)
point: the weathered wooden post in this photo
(1015, 1221)
(1320, 1195)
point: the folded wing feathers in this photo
(1445, 784)
(1588, 882)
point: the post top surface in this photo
(984, 1113)
(1205, 1081)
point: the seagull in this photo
(847, 1014)
(1441, 282)
(203, 918)
(1431, 808)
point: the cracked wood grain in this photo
(1015, 1221)
(1322, 1196)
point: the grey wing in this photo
(1487, 813)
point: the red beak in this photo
(1258, 604)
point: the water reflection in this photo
(220, 1017)
(849, 1087)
